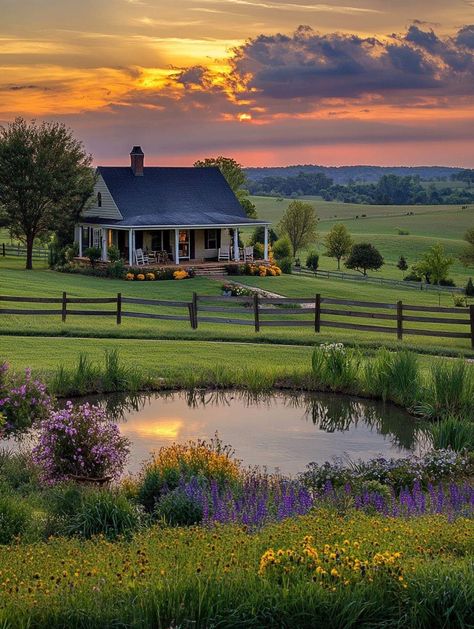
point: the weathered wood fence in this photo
(372, 279)
(318, 312)
(19, 251)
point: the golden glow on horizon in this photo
(126, 68)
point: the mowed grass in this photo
(273, 208)
(379, 224)
(45, 283)
(156, 357)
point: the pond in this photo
(280, 431)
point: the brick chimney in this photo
(137, 157)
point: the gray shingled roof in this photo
(172, 196)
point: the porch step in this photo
(208, 271)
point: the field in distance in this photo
(381, 225)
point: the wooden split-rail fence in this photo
(38, 253)
(260, 312)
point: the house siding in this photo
(108, 209)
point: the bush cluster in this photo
(139, 274)
(23, 401)
(435, 466)
(253, 269)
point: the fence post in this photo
(317, 313)
(471, 313)
(195, 310)
(64, 307)
(3, 249)
(119, 308)
(399, 320)
(191, 314)
(256, 313)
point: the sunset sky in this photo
(269, 82)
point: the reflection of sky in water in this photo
(274, 433)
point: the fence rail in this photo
(342, 275)
(39, 253)
(260, 312)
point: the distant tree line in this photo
(389, 190)
(464, 175)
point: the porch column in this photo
(236, 245)
(176, 246)
(131, 246)
(265, 244)
(79, 240)
(105, 236)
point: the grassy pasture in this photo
(379, 224)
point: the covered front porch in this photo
(162, 245)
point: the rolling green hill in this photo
(380, 225)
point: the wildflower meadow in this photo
(197, 539)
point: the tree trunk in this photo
(29, 252)
(339, 264)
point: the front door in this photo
(184, 242)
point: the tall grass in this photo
(454, 433)
(450, 389)
(336, 367)
(393, 376)
(88, 377)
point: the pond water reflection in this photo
(284, 431)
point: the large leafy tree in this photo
(364, 257)
(299, 223)
(45, 179)
(338, 243)
(236, 178)
(434, 264)
(467, 256)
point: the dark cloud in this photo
(465, 37)
(310, 65)
(193, 76)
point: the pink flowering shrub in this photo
(23, 400)
(80, 441)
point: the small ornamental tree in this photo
(338, 243)
(469, 290)
(364, 257)
(402, 264)
(299, 224)
(80, 441)
(434, 264)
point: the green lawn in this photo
(156, 356)
(45, 283)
